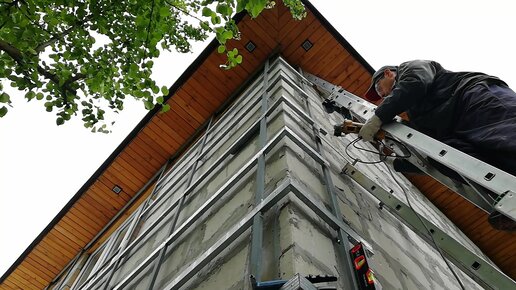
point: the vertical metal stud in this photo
(257, 228)
(159, 261)
(343, 247)
(132, 227)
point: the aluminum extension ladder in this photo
(478, 175)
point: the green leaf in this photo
(164, 90)
(165, 108)
(221, 49)
(255, 7)
(59, 121)
(222, 9)
(159, 100)
(239, 59)
(241, 4)
(207, 12)
(3, 111)
(148, 105)
(205, 25)
(4, 98)
(228, 34)
(215, 19)
(29, 95)
(164, 11)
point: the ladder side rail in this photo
(476, 267)
(485, 175)
(483, 202)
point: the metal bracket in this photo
(507, 204)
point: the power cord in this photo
(383, 157)
(428, 231)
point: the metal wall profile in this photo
(483, 272)
(263, 200)
(318, 209)
(257, 227)
(110, 267)
(60, 279)
(343, 247)
(157, 264)
(476, 172)
(288, 186)
(142, 237)
(146, 209)
(172, 176)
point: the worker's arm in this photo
(413, 80)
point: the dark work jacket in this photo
(429, 93)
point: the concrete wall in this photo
(295, 238)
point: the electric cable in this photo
(385, 156)
(380, 154)
(427, 230)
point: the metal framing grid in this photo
(476, 172)
(139, 240)
(483, 272)
(319, 209)
(131, 223)
(110, 266)
(268, 202)
(156, 203)
(71, 266)
(167, 179)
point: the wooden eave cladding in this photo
(198, 94)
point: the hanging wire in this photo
(428, 231)
(382, 158)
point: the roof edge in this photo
(173, 89)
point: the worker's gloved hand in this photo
(370, 128)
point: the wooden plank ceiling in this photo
(199, 93)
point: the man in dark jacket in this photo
(470, 111)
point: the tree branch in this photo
(17, 56)
(12, 51)
(55, 38)
(187, 13)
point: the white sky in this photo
(42, 166)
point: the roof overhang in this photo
(200, 92)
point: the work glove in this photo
(370, 128)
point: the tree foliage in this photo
(85, 57)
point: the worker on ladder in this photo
(470, 111)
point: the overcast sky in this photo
(42, 166)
